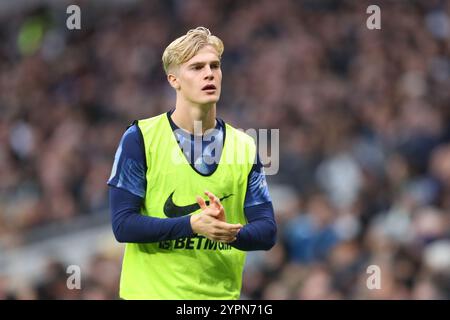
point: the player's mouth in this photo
(209, 88)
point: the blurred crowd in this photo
(364, 119)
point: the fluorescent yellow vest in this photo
(188, 268)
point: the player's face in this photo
(200, 78)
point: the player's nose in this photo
(208, 73)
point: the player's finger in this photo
(222, 210)
(219, 232)
(225, 232)
(228, 226)
(210, 196)
(229, 239)
(212, 212)
(225, 240)
(213, 199)
(201, 202)
(223, 237)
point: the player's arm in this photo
(261, 230)
(129, 225)
(127, 187)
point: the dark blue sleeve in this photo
(129, 168)
(257, 189)
(129, 225)
(261, 230)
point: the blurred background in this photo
(364, 119)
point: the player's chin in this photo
(210, 99)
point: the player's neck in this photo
(187, 117)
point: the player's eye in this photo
(215, 66)
(198, 67)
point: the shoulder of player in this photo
(145, 126)
(148, 123)
(134, 133)
(240, 134)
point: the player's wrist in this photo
(193, 222)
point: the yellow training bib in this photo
(196, 267)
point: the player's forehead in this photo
(207, 54)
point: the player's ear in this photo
(173, 81)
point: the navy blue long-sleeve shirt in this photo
(127, 190)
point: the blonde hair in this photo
(185, 47)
